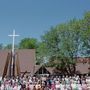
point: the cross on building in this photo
(13, 43)
(12, 65)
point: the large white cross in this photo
(13, 35)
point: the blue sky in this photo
(32, 18)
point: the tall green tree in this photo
(60, 46)
(67, 41)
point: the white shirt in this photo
(2, 87)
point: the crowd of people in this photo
(46, 83)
